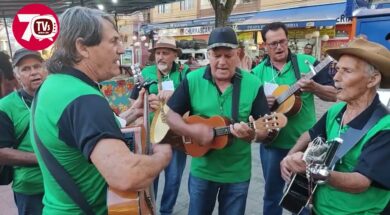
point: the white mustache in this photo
(162, 66)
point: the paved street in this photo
(254, 202)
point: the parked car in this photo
(384, 96)
(199, 54)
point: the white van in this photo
(199, 54)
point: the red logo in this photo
(35, 27)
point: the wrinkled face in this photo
(351, 78)
(30, 73)
(277, 45)
(223, 63)
(104, 58)
(164, 58)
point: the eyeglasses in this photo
(275, 44)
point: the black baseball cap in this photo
(22, 53)
(223, 37)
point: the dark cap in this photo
(222, 37)
(22, 53)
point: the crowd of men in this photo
(62, 145)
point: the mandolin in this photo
(221, 129)
(288, 100)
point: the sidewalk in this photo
(255, 196)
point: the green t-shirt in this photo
(26, 179)
(73, 116)
(231, 164)
(330, 200)
(176, 75)
(305, 118)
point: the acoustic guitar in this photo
(299, 192)
(288, 100)
(221, 129)
(138, 141)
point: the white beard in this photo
(162, 67)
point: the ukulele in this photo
(221, 129)
(288, 100)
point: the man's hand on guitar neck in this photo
(292, 164)
(307, 85)
(324, 92)
(243, 131)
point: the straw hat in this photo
(373, 53)
(166, 42)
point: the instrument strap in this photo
(352, 136)
(63, 178)
(236, 95)
(295, 66)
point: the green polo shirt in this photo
(73, 118)
(301, 121)
(330, 200)
(176, 75)
(14, 119)
(199, 94)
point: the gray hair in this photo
(371, 70)
(76, 22)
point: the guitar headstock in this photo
(271, 122)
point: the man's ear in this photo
(81, 48)
(374, 80)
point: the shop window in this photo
(186, 4)
(164, 8)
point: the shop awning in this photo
(208, 21)
(301, 17)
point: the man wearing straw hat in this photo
(168, 75)
(360, 182)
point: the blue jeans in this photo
(173, 174)
(203, 193)
(274, 183)
(29, 204)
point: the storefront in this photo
(311, 24)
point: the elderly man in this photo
(282, 67)
(16, 150)
(359, 183)
(225, 172)
(168, 75)
(77, 138)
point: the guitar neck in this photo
(294, 88)
(225, 130)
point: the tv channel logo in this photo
(35, 27)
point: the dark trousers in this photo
(29, 204)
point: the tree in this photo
(222, 9)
